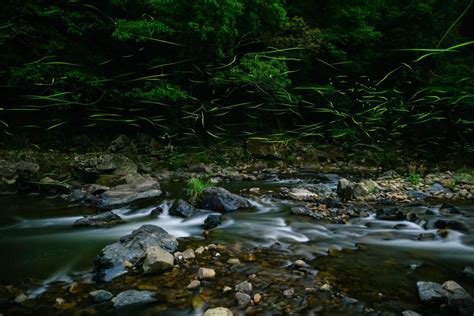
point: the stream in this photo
(373, 260)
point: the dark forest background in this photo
(369, 71)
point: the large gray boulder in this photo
(107, 219)
(132, 249)
(220, 200)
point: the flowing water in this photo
(372, 260)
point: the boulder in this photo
(220, 200)
(181, 208)
(131, 248)
(431, 292)
(157, 260)
(390, 214)
(459, 299)
(206, 273)
(107, 219)
(212, 221)
(137, 187)
(131, 297)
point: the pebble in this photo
(233, 261)
(244, 287)
(226, 289)
(300, 264)
(257, 298)
(206, 273)
(218, 311)
(326, 287)
(289, 293)
(194, 284)
(242, 299)
(75, 288)
(199, 251)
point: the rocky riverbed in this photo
(118, 237)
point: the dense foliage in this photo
(368, 71)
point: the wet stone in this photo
(107, 219)
(233, 261)
(205, 273)
(220, 200)
(242, 299)
(244, 287)
(181, 208)
(432, 292)
(100, 296)
(212, 221)
(410, 313)
(289, 293)
(218, 311)
(188, 254)
(257, 298)
(390, 214)
(194, 284)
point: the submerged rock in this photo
(181, 208)
(244, 287)
(242, 299)
(131, 248)
(220, 200)
(390, 214)
(133, 297)
(432, 292)
(450, 223)
(107, 219)
(212, 221)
